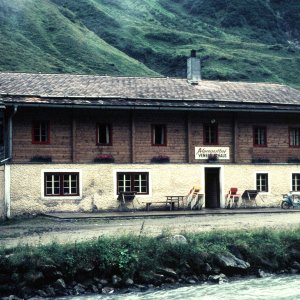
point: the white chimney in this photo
(193, 68)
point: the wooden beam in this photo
(73, 152)
(188, 138)
(132, 127)
(235, 134)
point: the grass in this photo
(151, 37)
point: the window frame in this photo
(132, 181)
(109, 126)
(216, 128)
(34, 123)
(153, 134)
(268, 182)
(61, 172)
(265, 136)
(290, 129)
(292, 182)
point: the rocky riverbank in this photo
(135, 263)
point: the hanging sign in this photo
(219, 153)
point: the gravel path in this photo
(41, 230)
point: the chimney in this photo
(193, 68)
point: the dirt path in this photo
(43, 230)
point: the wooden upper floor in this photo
(138, 136)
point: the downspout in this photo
(7, 177)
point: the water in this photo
(273, 287)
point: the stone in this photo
(261, 273)
(116, 280)
(231, 264)
(34, 278)
(129, 282)
(221, 278)
(79, 289)
(41, 293)
(177, 239)
(59, 284)
(50, 291)
(13, 297)
(167, 272)
(295, 265)
(103, 281)
(94, 289)
(107, 290)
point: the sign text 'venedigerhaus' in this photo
(205, 152)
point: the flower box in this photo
(160, 159)
(104, 158)
(212, 158)
(41, 159)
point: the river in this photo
(272, 287)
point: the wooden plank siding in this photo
(73, 135)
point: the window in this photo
(61, 184)
(260, 136)
(40, 132)
(262, 184)
(133, 182)
(159, 135)
(104, 136)
(296, 182)
(210, 134)
(294, 137)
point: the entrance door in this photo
(212, 187)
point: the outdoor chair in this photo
(249, 196)
(124, 198)
(232, 198)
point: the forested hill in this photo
(246, 40)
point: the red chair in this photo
(232, 198)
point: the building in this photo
(55, 126)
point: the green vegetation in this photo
(237, 40)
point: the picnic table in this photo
(171, 200)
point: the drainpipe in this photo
(7, 179)
(7, 191)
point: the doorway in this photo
(212, 188)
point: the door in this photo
(212, 187)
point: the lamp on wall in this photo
(212, 121)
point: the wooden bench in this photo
(172, 200)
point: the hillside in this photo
(250, 40)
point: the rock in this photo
(261, 273)
(167, 272)
(41, 293)
(217, 278)
(13, 297)
(103, 281)
(50, 291)
(170, 280)
(177, 239)
(59, 284)
(79, 289)
(191, 281)
(34, 278)
(94, 289)
(235, 251)
(143, 288)
(116, 280)
(295, 265)
(108, 290)
(231, 264)
(129, 282)
(267, 263)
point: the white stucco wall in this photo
(99, 184)
(2, 209)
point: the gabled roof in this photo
(100, 90)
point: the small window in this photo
(296, 182)
(210, 134)
(133, 182)
(262, 184)
(159, 135)
(294, 137)
(40, 132)
(61, 184)
(260, 136)
(104, 136)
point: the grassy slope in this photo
(67, 36)
(37, 37)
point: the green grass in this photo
(151, 37)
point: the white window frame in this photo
(133, 171)
(44, 197)
(291, 182)
(269, 181)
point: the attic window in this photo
(40, 132)
(104, 135)
(159, 135)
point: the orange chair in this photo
(232, 198)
